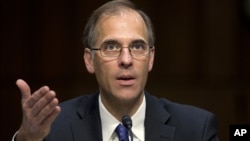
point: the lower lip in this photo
(129, 82)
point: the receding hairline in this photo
(114, 7)
(119, 12)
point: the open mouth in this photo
(126, 80)
(125, 77)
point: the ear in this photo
(151, 59)
(88, 59)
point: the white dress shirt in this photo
(109, 123)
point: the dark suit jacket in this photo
(79, 120)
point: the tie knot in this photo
(122, 132)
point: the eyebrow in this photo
(138, 41)
(112, 41)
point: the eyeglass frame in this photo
(121, 47)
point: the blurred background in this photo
(202, 54)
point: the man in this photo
(119, 50)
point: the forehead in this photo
(123, 25)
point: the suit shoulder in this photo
(190, 122)
(75, 101)
(179, 111)
(81, 105)
(175, 108)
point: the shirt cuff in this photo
(14, 136)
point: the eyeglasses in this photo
(113, 49)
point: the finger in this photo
(24, 88)
(47, 111)
(37, 95)
(44, 102)
(51, 117)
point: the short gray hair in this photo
(113, 7)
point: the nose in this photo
(125, 58)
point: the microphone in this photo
(127, 122)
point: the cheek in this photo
(104, 70)
(142, 69)
(102, 76)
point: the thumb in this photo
(24, 88)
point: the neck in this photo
(119, 107)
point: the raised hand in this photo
(39, 111)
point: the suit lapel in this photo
(156, 118)
(88, 126)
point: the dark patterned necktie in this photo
(122, 133)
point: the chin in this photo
(128, 96)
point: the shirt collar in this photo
(109, 122)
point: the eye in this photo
(138, 46)
(111, 47)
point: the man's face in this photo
(124, 77)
